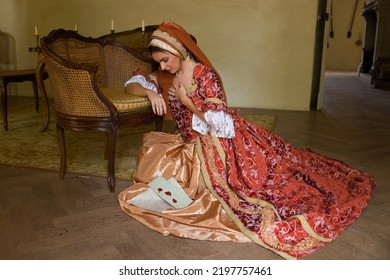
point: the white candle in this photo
(36, 31)
(112, 24)
(143, 26)
(75, 27)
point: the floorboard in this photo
(43, 217)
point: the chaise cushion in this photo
(125, 102)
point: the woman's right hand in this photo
(158, 103)
(172, 91)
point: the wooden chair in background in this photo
(87, 77)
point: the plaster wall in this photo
(263, 49)
(343, 53)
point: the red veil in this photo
(181, 36)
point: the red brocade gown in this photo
(254, 187)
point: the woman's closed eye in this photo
(164, 60)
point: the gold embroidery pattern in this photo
(192, 88)
(268, 215)
(233, 198)
(229, 211)
(214, 100)
(165, 47)
(267, 232)
(173, 41)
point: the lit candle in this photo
(112, 24)
(75, 27)
(36, 31)
(143, 26)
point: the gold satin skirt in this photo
(167, 155)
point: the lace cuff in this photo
(199, 125)
(218, 123)
(140, 79)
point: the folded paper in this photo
(171, 192)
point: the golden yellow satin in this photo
(168, 156)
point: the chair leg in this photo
(62, 148)
(36, 98)
(106, 145)
(111, 149)
(4, 93)
(40, 77)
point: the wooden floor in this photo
(42, 217)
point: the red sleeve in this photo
(208, 86)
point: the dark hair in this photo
(153, 49)
(156, 65)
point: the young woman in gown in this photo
(247, 184)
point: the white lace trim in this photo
(199, 125)
(139, 79)
(218, 123)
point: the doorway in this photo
(369, 41)
(318, 70)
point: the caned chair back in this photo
(72, 89)
(87, 77)
(119, 64)
(80, 66)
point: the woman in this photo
(247, 184)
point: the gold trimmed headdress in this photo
(163, 41)
(173, 38)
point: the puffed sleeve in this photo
(219, 120)
(145, 80)
(210, 95)
(218, 123)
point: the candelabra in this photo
(37, 48)
(143, 39)
(144, 51)
(113, 35)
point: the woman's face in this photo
(168, 62)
